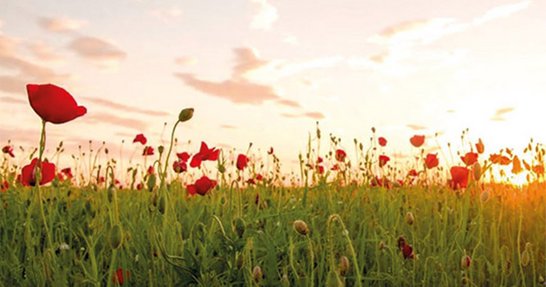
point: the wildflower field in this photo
(209, 217)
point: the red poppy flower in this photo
(431, 161)
(407, 250)
(242, 161)
(470, 158)
(259, 177)
(8, 150)
(499, 159)
(180, 166)
(320, 169)
(67, 172)
(417, 140)
(480, 147)
(335, 167)
(120, 276)
(201, 186)
(183, 156)
(148, 150)
(151, 170)
(340, 155)
(139, 186)
(251, 181)
(319, 160)
(538, 169)
(382, 141)
(4, 186)
(383, 159)
(516, 165)
(413, 173)
(28, 173)
(204, 154)
(459, 177)
(140, 138)
(53, 104)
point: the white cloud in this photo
(265, 17)
(502, 11)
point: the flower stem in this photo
(164, 173)
(38, 179)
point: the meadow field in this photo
(212, 217)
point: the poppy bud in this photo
(344, 265)
(116, 236)
(239, 227)
(160, 149)
(464, 281)
(526, 255)
(410, 218)
(301, 227)
(162, 205)
(541, 280)
(257, 273)
(185, 115)
(465, 262)
(477, 169)
(110, 192)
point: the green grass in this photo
(222, 238)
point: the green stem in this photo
(38, 179)
(336, 217)
(164, 173)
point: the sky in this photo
(265, 71)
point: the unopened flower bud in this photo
(465, 262)
(257, 273)
(239, 227)
(301, 227)
(410, 218)
(185, 115)
(344, 265)
(116, 236)
(160, 149)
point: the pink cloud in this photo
(97, 50)
(416, 127)
(11, 100)
(107, 118)
(237, 91)
(44, 52)
(289, 103)
(122, 107)
(61, 24)
(500, 113)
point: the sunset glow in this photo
(254, 68)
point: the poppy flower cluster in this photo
(340, 155)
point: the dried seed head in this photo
(257, 273)
(344, 265)
(301, 227)
(477, 171)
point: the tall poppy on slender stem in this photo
(55, 105)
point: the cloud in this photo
(122, 107)
(265, 16)
(44, 52)
(106, 118)
(167, 13)
(312, 115)
(97, 50)
(501, 11)
(21, 71)
(237, 88)
(61, 24)
(225, 126)
(500, 113)
(247, 60)
(416, 127)
(11, 100)
(289, 103)
(237, 91)
(185, 61)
